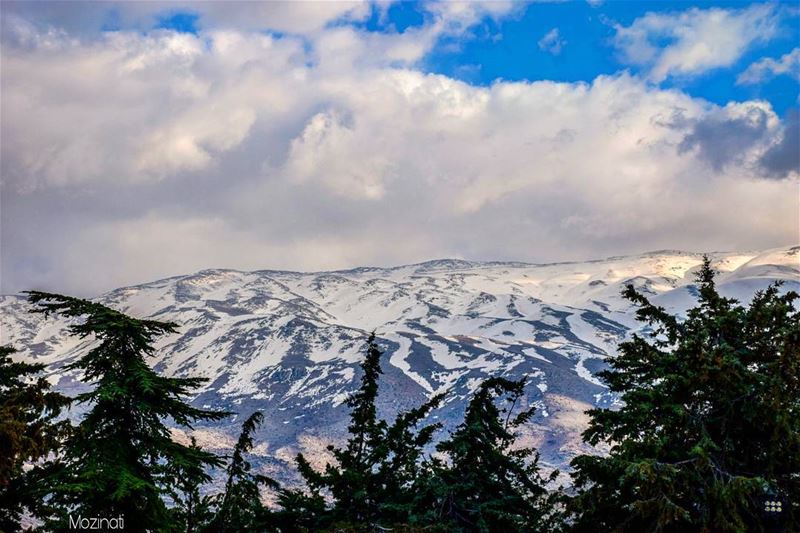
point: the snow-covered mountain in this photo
(289, 343)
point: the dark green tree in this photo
(29, 432)
(120, 461)
(371, 482)
(709, 429)
(240, 508)
(191, 510)
(485, 482)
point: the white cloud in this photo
(698, 40)
(552, 42)
(135, 108)
(329, 152)
(458, 16)
(767, 68)
(135, 155)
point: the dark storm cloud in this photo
(722, 140)
(782, 160)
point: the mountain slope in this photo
(289, 343)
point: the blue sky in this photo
(508, 50)
(148, 139)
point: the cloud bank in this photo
(133, 155)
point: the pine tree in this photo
(29, 432)
(191, 511)
(301, 510)
(370, 483)
(485, 482)
(120, 461)
(240, 508)
(709, 430)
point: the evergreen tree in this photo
(485, 482)
(374, 473)
(301, 510)
(240, 507)
(121, 460)
(191, 511)
(710, 426)
(29, 432)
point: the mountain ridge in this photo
(288, 343)
(468, 263)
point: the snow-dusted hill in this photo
(289, 343)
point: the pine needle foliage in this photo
(191, 510)
(240, 508)
(483, 481)
(29, 432)
(121, 460)
(709, 428)
(370, 484)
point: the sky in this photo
(149, 139)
